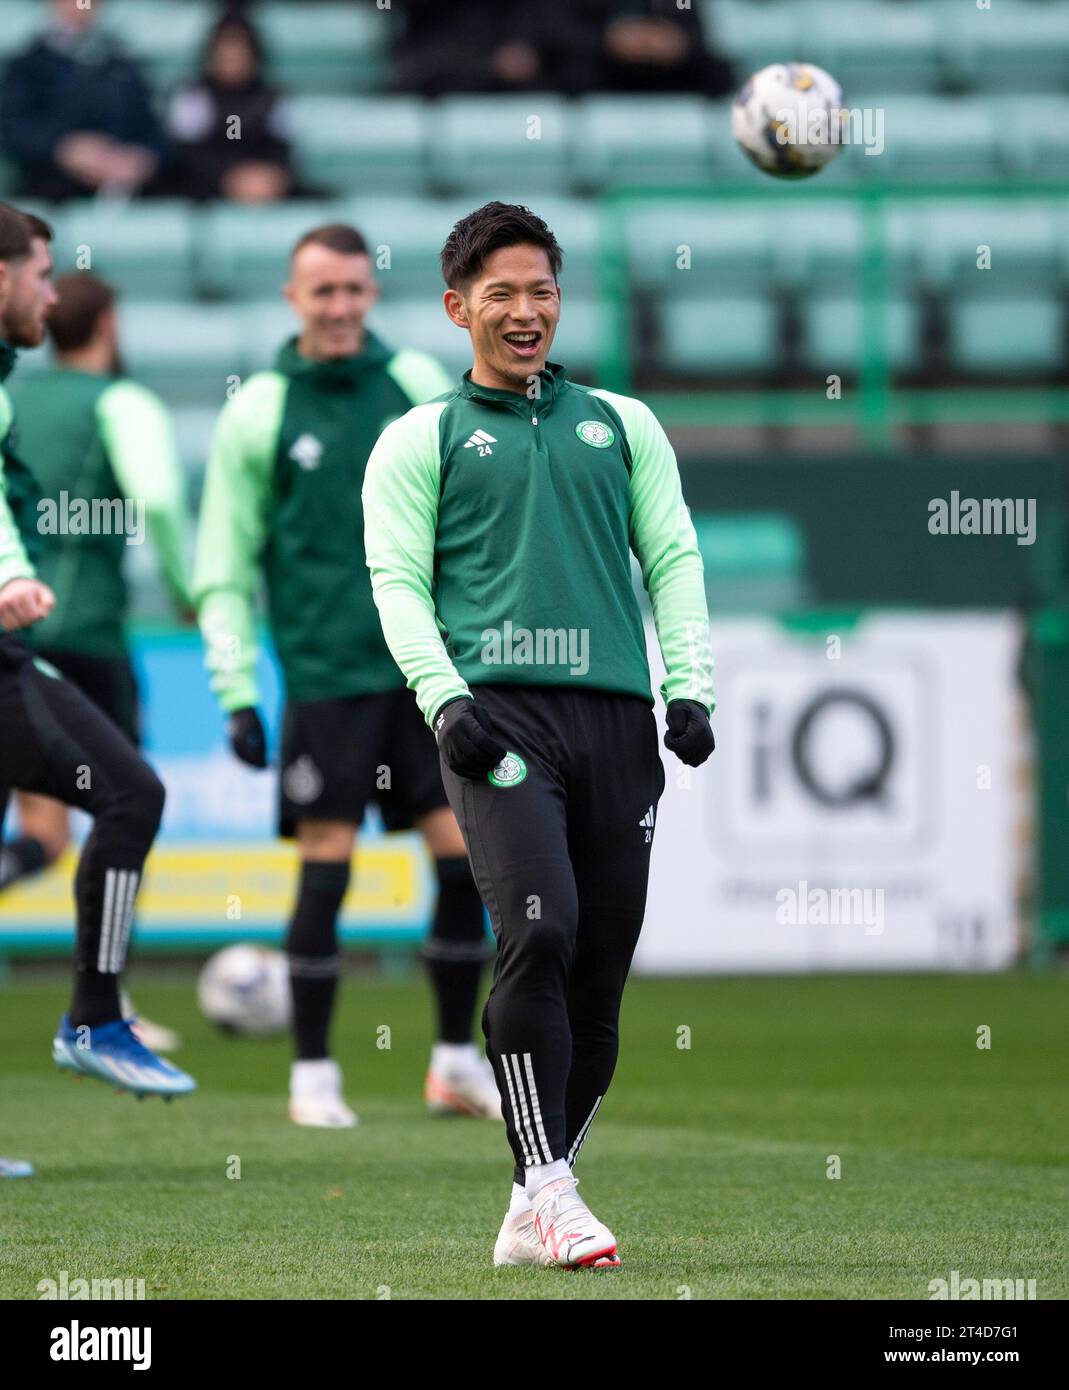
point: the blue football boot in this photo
(112, 1053)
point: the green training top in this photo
(282, 498)
(498, 534)
(105, 459)
(19, 541)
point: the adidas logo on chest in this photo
(481, 441)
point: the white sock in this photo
(542, 1173)
(452, 1057)
(321, 1077)
(519, 1201)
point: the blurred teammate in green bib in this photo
(109, 475)
(282, 504)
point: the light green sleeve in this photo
(420, 377)
(139, 438)
(400, 522)
(663, 538)
(14, 562)
(231, 535)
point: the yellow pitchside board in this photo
(200, 892)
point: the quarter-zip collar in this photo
(553, 379)
(342, 372)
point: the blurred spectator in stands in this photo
(229, 127)
(75, 114)
(654, 46)
(478, 46)
(571, 46)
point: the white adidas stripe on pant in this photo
(116, 920)
(580, 1138)
(526, 1110)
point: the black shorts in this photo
(109, 682)
(337, 755)
(51, 732)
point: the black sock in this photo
(95, 999)
(456, 950)
(312, 948)
(20, 858)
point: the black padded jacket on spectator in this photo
(62, 84)
(199, 121)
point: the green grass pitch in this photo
(709, 1163)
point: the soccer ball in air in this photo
(789, 119)
(246, 989)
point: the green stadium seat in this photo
(903, 245)
(19, 25)
(166, 39)
(576, 225)
(726, 161)
(871, 44)
(190, 354)
(1014, 45)
(1022, 236)
(243, 250)
(406, 235)
(931, 138)
(639, 139)
(1032, 132)
(706, 336)
(422, 324)
(193, 427)
(728, 244)
(1061, 219)
(485, 143)
(325, 47)
(1006, 336)
(263, 328)
(816, 243)
(146, 248)
(831, 334)
(754, 35)
(579, 341)
(350, 144)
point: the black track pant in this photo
(561, 857)
(56, 742)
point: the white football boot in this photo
(517, 1243)
(315, 1095)
(568, 1231)
(461, 1082)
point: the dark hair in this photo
(488, 229)
(237, 20)
(335, 236)
(83, 297)
(17, 231)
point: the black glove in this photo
(468, 745)
(689, 735)
(245, 730)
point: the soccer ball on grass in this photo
(245, 989)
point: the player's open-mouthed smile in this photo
(525, 342)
